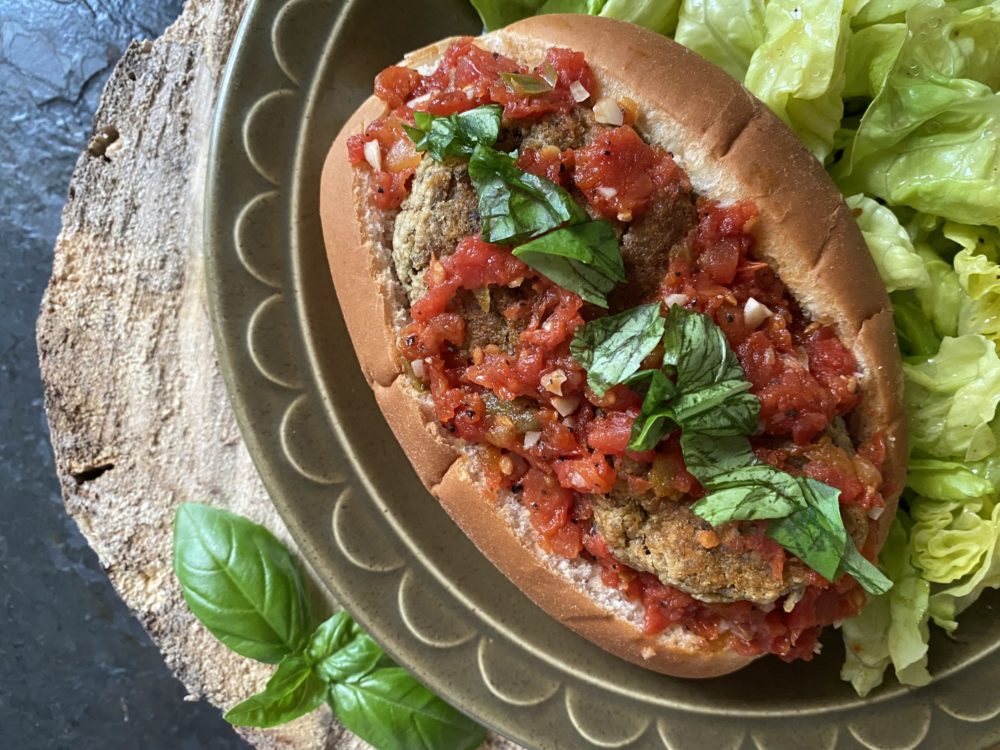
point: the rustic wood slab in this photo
(139, 416)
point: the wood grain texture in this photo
(139, 417)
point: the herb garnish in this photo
(246, 588)
(583, 258)
(612, 348)
(703, 391)
(455, 134)
(515, 205)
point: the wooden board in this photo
(139, 417)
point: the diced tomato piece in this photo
(548, 162)
(592, 474)
(610, 433)
(619, 172)
(396, 84)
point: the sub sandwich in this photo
(628, 334)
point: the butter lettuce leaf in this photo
(951, 399)
(950, 537)
(893, 627)
(498, 13)
(979, 277)
(897, 261)
(799, 69)
(931, 137)
(871, 53)
(725, 32)
(949, 603)
(658, 15)
(943, 299)
(946, 480)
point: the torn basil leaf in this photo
(699, 350)
(815, 532)
(455, 134)
(720, 409)
(749, 493)
(583, 258)
(515, 205)
(872, 580)
(706, 456)
(655, 419)
(612, 348)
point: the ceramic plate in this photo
(371, 531)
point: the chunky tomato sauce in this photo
(466, 77)
(550, 440)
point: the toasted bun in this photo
(732, 147)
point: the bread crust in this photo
(731, 146)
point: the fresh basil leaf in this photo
(515, 205)
(583, 258)
(872, 580)
(455, 134)
(736, 416)
(353, 660)
(750, 493)
(293, 691)
(392, 711)
(655, 419)
(331, 636)
(340, 649)
(611, 349)
(815, 532)
(707, 457)
(698, 348)
(526, 84)
(720, 409)
(241, 582)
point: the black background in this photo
(76, 670)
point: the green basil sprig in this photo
(703, 391)
(456, 134)
(583, 258)
(519, 207)
(515, 205)
(246, 588)
(612, 348)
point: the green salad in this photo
(899, 100)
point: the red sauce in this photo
(466, 77)
(550, 440)
(619, 173)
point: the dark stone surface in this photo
(76, 670)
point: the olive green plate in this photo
(378, 539)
